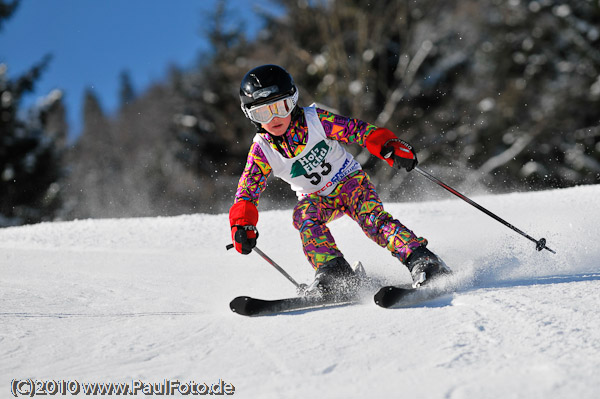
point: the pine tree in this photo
(95, 166)
(126, 91)
(30, 156)
(7, 9)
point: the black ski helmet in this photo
(266, 84)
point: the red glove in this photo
(243, 217)
(396, 152)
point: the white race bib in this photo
(321, 165)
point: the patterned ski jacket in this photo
(340, 128)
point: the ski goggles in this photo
(266, 112)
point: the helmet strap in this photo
(296, 112)
(259, 128)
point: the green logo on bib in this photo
(312, 160)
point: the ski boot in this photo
(336, 280)
(425, 266)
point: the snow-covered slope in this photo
(147, 300)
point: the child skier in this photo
(302, 147)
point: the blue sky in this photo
(93, 41)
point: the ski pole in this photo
(275, 265)
(539, 244)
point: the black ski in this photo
(248, 306)
(405, 295)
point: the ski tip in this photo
(381, 298)
(390, 295)
(240, 305)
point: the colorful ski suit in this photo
(340, 186)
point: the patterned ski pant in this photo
(355, 196)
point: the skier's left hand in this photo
(396, 152)
(243, 217)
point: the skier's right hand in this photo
(243, 217)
